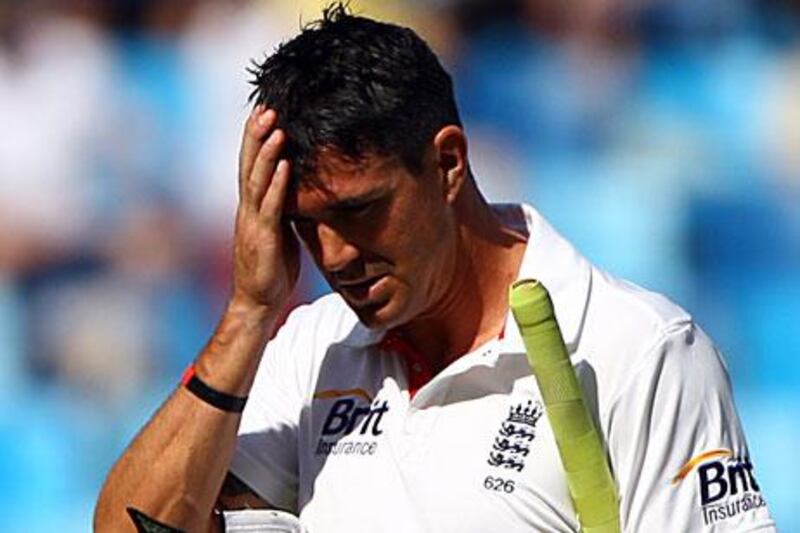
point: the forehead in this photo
(340, 179)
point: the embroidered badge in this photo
(512, 443)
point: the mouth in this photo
(361, 291)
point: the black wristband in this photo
(220, 400)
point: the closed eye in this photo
(356, 210)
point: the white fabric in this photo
(472, 451)
(261, 521)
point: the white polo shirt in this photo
(344, 427)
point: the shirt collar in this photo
(564, 272)
(549, 258)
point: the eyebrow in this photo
(344, 204)
(357, 201)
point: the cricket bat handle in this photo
(589, 479)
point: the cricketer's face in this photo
(383, 238)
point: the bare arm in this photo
(174, 469)
(234, 495)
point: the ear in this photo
(450, 147)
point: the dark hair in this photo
(357, 87)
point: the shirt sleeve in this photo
(676, 444)
(266, 454)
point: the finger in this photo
(260, 121)
(272, 206)
(264, 168)
(247, 144)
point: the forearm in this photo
(175, 467)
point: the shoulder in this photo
(632, 334)
(329, 306)
(623, 316)
(327, 320)
(620, 308)
(310, 332)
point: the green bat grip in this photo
(589, 479)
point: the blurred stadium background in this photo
(661, 136)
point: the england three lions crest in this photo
(512, 444)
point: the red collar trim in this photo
(418, 370)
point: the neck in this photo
(473, 305)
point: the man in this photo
(403, 401)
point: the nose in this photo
(335, 253)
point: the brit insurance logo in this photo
(354, 414)
(726, 484)
(512, 444)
